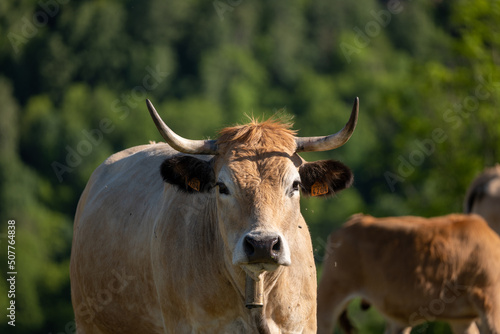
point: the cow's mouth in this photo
(255, 270)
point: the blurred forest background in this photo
(74, 76)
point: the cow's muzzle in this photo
(261, 251)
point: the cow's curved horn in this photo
(326, 143)
(177, 142)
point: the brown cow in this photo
(414, 270)
(483, 197)
(164, 242)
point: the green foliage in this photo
(74, 77)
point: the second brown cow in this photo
(414, 270)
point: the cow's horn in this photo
(326, 143)
(177, 142)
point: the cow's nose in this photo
(262, 249)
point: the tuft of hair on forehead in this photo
(274, 133)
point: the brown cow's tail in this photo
(345, 324)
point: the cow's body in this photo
(414, 270)
(483, 197)
(112, 234)
(170, 238)
(164, 242)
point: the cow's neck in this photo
(210, 249)
(259, 319)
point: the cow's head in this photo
(255, 176)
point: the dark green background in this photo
(426, 73)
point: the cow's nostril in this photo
(248, 246)
(276, 246)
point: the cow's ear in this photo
(188, 173)
(324, 178)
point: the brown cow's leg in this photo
(88, 329)
(491, 324)
(334, 294)
(464, 328)
(488, 304)
(392, 328)
(329, 311)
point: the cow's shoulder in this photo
(159, 150)
(129, 171)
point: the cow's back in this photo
(111, 274)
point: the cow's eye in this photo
(295, 187)
(222, 188)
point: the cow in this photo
(483, 197)
(413, 270)
(169, 237)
